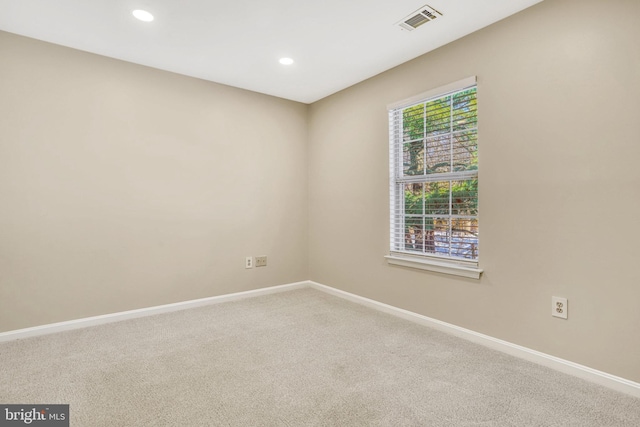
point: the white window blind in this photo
(434, 175)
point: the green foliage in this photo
(413, 123)
(429, 129)
(442, 115)
(413, 200)
(464, 198)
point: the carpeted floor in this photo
(298, 358)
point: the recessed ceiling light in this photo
(286, 61)
(143, 15)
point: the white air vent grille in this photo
(419, 17)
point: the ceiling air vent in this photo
(419, 17)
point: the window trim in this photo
(461, 267)
(445, 266)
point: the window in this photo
(434, 180)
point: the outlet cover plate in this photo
(559, 307)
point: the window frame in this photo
(432, 262)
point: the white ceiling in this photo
(335, 43)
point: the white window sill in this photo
(435, 265)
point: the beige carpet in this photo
(297, 358)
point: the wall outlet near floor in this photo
(248, 263)
(261, 261)
(559, 307)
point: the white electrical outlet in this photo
(248, 262)
(261, 261)
(559, 307)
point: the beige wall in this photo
(123, 187)
(558, 91)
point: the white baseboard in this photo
(148, 311)
(602, 378)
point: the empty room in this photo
(292, 213)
